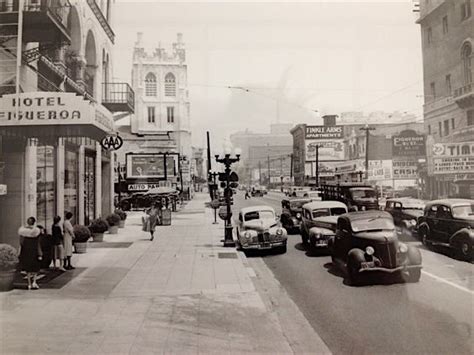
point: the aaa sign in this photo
(111, 142)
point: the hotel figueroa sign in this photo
(53, 109)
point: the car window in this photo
(321, 212)
(240, 217)
(443, 212)
(258, 215)
(432, 211)
(466, 211)
(337, 211)
(370, 224)
(343, 225)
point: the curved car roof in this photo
(296, 199)
(256, 208)
(324, 204)
(451, 202)
(351, 216)
(402, 199)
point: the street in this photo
(432, 316)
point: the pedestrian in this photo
(68, 238)
(47, 247)
(247, 195)
(153, 218)
(58, 241)
(30, 251)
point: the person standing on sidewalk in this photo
(153, 219)
(68, 238)
(30, 253)
(58, 241)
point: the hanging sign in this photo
(111, 142)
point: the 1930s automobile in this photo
(366, 243)
(319, 222)
(449, 223)
(258, 229)
(405, 212)
(291, 213)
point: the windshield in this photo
(413, 205)
(466, 211)
(359, 193)
(323, 212)
(378, 223)
(297, 204)
(259, 215)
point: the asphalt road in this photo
(434, 316)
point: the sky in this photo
(295, 61)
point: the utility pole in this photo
(316, 168)
(367, 129)
(291, 168)
(268, 169)
(281, 173)
(260, 173)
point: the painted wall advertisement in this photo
(408, 144)
(330, 142)
(150, 166)
(380, 170)
(453, 158)
(405, 169)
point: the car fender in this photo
(414, 255)
(318, 230)
(464, 233)
(355, 256)
(424, 227)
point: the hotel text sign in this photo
(323, 132)
(52, 108)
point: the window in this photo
(452, 124)
(429, 35)
(466, 9)
(151, 114)
(170, 85)
(445, 25)
(448, 85)
(150, 85)
(446, 127)
(440, 129)
(433, 90)
(170, 114)
(45, 186)
(470, 118)
(467, 63)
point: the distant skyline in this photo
(290, 59)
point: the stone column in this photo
(80, 192)
(30, 178)
(59, 58)
(60, 166)
(98, 179)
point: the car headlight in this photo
(413, 222)
(247, 235)
(369, 250)
(298, 215)
(403, 248)
(317, 236)
(362, 208)
(279, 232)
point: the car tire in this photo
(465, 250)
(282, 249)
(414, 275)
(353, 274)
(424, 237)
(354, 258)
(304, 237)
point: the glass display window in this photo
(46, 186)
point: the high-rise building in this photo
(447, 31)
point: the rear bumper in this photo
(369, 269)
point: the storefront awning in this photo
(53, 114)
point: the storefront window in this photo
(70, 183)
(45, 186)
(89, 186)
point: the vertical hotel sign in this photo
(52, 109)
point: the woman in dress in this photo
(153, 218)
(58, 240)
(30, 254)
(68, 238)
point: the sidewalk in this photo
(181, 293)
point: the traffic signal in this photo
(234, 185)
(222, 177)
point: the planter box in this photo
(113, 229)
(122, 224)
(80, 248)
(98, 237)
(6, 280)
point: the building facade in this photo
(55, 111)
(161, 123)
(447, 31)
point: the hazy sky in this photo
(330, 56)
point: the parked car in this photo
(264, 190)
(291, 213)
(258, 229)
(450, 223)
(319, 221)
(366, 243)
(405, 212)
(314, 195)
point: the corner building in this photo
(54, 114)
(447, 31)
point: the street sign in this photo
(215, 204)
(223, 213)
(111, 142)
(234, 185)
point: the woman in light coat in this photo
(68, 238)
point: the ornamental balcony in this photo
(102, 20)
(118, 97)
(43, 20)
(464, 96)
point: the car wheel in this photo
(465, 250)
(414, 275)
(424, 237)
(304, 236)
(353, 273)
(282, 249)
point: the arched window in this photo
(170, 85)
(150, 84)
(467, 63)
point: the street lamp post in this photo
(228, 161)
(367, 129)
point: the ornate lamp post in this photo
(227, 160)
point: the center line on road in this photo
(462, 288)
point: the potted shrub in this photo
(81, 235)
(8, 264)
(123, 217)
(113, 220)
(98, 227)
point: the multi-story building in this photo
(447, 31)
(160, 128)
(55, 110)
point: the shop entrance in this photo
(89, 187)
